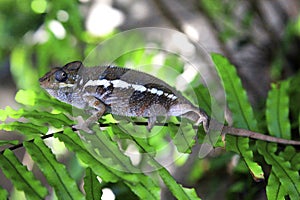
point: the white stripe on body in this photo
(123, 84)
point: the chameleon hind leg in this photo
(190, 112)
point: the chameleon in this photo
(130, 93)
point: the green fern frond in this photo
(274, 189)
(41, 100)
(6, 142)
(55, 172)
(140, 184)
(242, 113)
(37, 117)
(107, 150)
(26, 97)
(203, 98)
(3, 194)
(284, 178)
(277, 112)
(177, 190)
(115, 131)
(288, 178)
(74, 143)
(22, 179)
(103, 153)
(91, 186)
(237, 99)
(183, 136)
(27, 129)
(292, 156)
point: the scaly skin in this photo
(127, 92)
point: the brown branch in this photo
(214, 125)
(20, 145)
(17, 146)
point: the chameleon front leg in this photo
(100, 109)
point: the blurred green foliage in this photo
(29, 43)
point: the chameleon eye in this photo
(61, 76)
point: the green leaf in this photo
(5, 113)
(9, 112)
(56, 120)
(22, 179)
(92, 186)
(290, 154)
(3, 193)
(243, 116)
(28, 129)
(173, 62)
(177, 190)
(138, 132)
(140, 184)
(107, 150)
(145, 189)
(26, 97)
(242, 113)
(55, 172)
(5, 142)
(202, 94)
(183, 137)
(159, 139)
(38, 117)
(41, 100)
(277, 112)
(191, 192)
(274, 188)
(74, 143)
(289, 179)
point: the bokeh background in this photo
(260, 37)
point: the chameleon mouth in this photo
(52, 92)
(42, 79)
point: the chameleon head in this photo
(61, 81)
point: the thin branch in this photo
(17, 146)
(214, 125)
(20, 145)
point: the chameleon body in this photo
(119, 91)
(127, 92)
